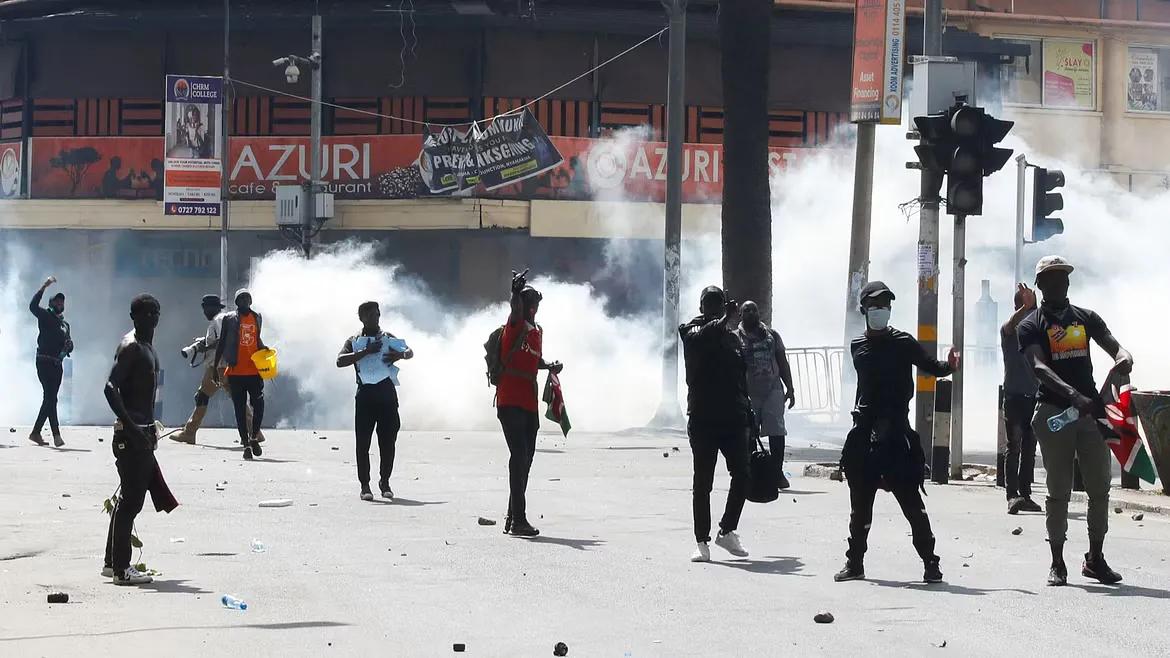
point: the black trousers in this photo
(706, 444)
(862, 493)
(136, 469)
(1020, 461)
(376, 409)
(50, 373)
(520, 427)
(243, 389)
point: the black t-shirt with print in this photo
(1064, 337)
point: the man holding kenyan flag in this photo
(1055, 340)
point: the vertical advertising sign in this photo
(1144, 86)
(879, 36)
(194, 118)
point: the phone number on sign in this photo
(192, 209)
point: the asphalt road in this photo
(609, 575)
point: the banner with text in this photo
(879, 28)
(194, 119)
(376, 167)
(511, 149)
(1068, 74)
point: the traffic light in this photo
(1045, 202)
(976, 155)
(961, 144)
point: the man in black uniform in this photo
(882, 451)
(54, 344)
(130, 392)
(719, 416)
(376, 403)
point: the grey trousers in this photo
(1080, 441)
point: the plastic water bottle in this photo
(258, 546)
(1060, 420)
(232, 602)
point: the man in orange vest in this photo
(240, 339)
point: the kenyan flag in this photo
(1120, 427)
(556, 403)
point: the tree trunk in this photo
(745, 40)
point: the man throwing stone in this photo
(1055, 339)
(769, 379)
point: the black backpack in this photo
(495, 364)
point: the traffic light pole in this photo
(1021, 171)
(928, 259)
(958, 328)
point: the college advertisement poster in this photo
(194, 119)
(1143, 86)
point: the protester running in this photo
(769, 379)
(54, 345)
(1019, 405)
(520, 358)
(241, 337)
(198, 353)
(720, 416)
(130, 392)
(376, 402)
(883, 451)
(1055, 339)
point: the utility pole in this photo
(314, 139)
(1021, 172)
(958, 327)
(859, 240)
(668, 414)
(928, 230)
(225, 156)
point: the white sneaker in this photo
(107, 572)
(132, 576)
(730, 543)
(702, 553)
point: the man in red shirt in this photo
(516, 398)
(239, 341)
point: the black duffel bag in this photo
(764, 485)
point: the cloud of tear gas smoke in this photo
(1116, 239)
(19, 402)
(311, 308)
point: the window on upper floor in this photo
(1147, 85)
(1058, 73)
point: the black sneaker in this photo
(1097, 569)
(1030, 505)
(367, 495)
(1015, 505)
(930, 572)
(248, 453)
(523, 529)
(508, 524)
(256, 449)
(851, 571)
(1058, 575)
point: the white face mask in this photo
(877, 318)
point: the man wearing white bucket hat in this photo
(1055, 341)
(239, 340)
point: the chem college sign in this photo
(879, 37)
(374, 167)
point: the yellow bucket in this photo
(265, 361)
